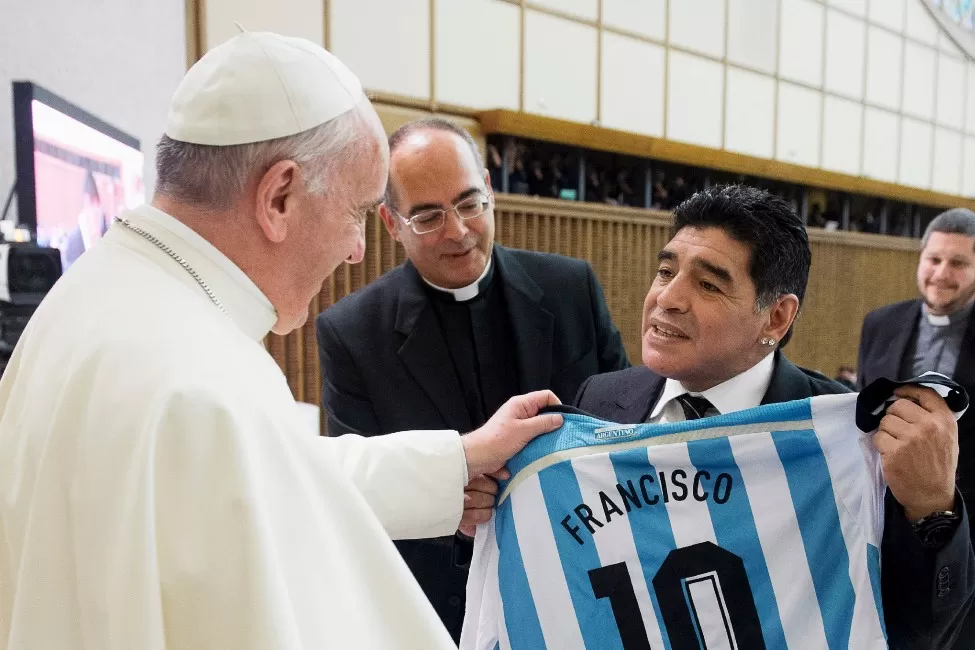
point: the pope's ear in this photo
(277, 199)
(390, 220)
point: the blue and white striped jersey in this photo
(756, 529)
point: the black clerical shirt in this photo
(481, 345)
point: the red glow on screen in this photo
(83, 179)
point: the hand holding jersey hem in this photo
(479, 499)
(918, 445)
(487, 450)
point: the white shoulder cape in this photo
(157, 489)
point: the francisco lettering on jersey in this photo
(650, 490)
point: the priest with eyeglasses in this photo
(444, 339)
(158, 486)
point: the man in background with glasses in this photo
(444, 340)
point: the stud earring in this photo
(768, 341)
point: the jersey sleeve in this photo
(482, 619)
(874, 489)
(854, 463)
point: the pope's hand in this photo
(514, 425)
(479, 497)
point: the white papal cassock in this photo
(157, 489)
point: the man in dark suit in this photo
(934, 333)
(727, 290)
(444, 340)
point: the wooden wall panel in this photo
(851, 274)
(620, 243)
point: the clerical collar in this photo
(742, 391)
(948, 319)
(243, 301)
(469, 292)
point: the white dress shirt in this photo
(741, 392)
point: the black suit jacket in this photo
(918, 614)
(386, 368)
(884, 342)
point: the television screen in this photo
(75, 173)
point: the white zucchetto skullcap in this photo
(260, 86)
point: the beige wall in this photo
(393, 117)
(870, 88)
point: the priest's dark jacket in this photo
(401, 355)
(887, 344)
(925, 594)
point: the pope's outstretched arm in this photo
(414, 480)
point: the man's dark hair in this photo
(430, 124)
(956, 221)
(767, 225)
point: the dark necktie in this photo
(694, 406)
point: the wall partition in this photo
(873, 88)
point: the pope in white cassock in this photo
(156, 487)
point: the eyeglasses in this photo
(430, 220)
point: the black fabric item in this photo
(888, 345)
(873, 400)
(905, 367)
(454, 320)
(497, 367)
(694, 406)
(478, 337)
(463, 550)
(565, 408)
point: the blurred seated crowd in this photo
(550, 170)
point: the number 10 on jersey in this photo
(704, 597)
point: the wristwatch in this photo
(936, 530)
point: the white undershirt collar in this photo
(742, 391)
(943, 320)
(464, 293)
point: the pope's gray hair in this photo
(215, 177)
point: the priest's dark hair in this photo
(768, 226)
(956, 221)
(430, 124)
